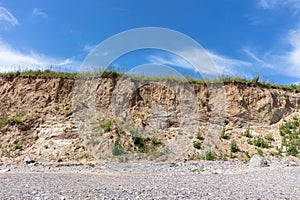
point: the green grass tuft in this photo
(210, 155)
(234, 147)
(106, 126)
(197, 145)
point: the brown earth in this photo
(94, 119)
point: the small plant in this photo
(233, 147)
(197, 145)
(260, 142)
(260, 152)
(283, 141)
(224, 135)
(210, 155)
(155, 141)
(3, 121)
(274, 153)
(15, 120)
(223, 157)
(117, 150)
(255, 79)
(203, 103)
(106, 126)
(86, 155)
(18, 145)
(269, 137)
(247, 154)
(247, 134)
(279, 149)
(7, 153)
(199, 136)
(292, 150)
(249, 141)
(140, 143)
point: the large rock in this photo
(258, 161)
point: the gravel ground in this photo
(189, 180)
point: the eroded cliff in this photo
(57, 119)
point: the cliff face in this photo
(62, 119)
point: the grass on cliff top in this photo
(45, 73)
(113, 73)
(50, 73)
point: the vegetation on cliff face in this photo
(290, 133)
(38, 120)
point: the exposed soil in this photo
(55, 119)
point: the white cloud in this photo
(206, 62)
(291, 59)
(229, 66)
(7, 20)
(89, 47)
(270, 4)
(286, 63)
(257, 59)
(12, 59)
(37, 13)
(267, 4)
(169, 60)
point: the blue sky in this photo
(243, 37)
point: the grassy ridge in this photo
(45, 73)
(113, 73)
(50, 73)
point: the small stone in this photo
(5, 170)
(32, 164)
(28, 160)
(258, 161)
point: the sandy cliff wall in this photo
(63, 119)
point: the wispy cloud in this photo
(12, 59)
(267, 4)
(260, 61)
(89, 47)
(7, 20)
(270, 4)
(291, 59)
(285, 63)
(229, 66)
(206, 62)
(37, 13)
(169, 60)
